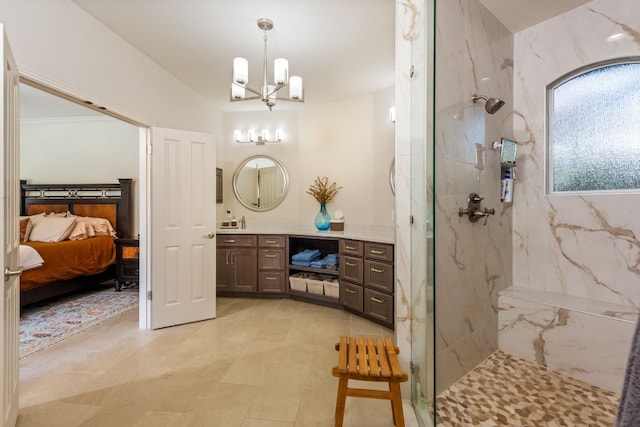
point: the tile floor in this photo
(227, 372)
(224, 372)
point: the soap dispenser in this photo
(506, 187)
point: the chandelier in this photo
(267, 93)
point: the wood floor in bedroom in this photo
(229, 372)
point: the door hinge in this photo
(411, 219)
(149, 149)
(149, 295)
(411, 71)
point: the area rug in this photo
(44, 325)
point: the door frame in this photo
(144, 173)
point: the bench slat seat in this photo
(366, 359)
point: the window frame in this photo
(548, 176)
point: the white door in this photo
(183, 220)
(10, 304)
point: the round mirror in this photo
(260, 183)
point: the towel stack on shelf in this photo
(305, 258)
(313, 258)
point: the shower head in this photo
(491, 105)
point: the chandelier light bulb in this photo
(265, 134)
(280, 71)
(240, 71)
(251, 135)
(279, 134)
(237, 92)
(237, 135)
(295, 87)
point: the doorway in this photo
(64, 140)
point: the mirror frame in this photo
(277, 201)
(392, 176)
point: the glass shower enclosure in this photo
(422, 212)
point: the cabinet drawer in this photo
(352, 269)
(271, 241)
(351, 295)
(244, 241)
(378, 275)
(378, 251)
(351, 247)
(378, 305)
(271, 259)
(271, 281)
(130, 270)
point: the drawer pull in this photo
(270, 278)
(270, 255)
(379, 301)
(377, 252)
(350, 291)
(271, 242)
(377, 270)
(351, 264)
(351, 248)
(230, 241)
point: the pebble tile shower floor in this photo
(507, 391)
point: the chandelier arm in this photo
(259, 94)
(247, 98)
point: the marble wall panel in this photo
(588, 346)
(582, 245)
(473, 260)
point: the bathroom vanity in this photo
(259, 265)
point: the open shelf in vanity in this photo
(326, 245)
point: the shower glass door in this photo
(422, 261)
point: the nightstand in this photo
(127, 262)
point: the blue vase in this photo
(323, 219)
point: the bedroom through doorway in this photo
(65, 141)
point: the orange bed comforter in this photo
(69, 259)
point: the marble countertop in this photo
(378, 234)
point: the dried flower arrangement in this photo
(322, 191)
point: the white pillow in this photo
(51, 229)
(29, 258)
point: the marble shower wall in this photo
(473, 260)
(580, 245)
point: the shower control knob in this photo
(475, 198)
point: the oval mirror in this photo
(260, 183)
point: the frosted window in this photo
(594, 132)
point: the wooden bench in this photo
(369, 360)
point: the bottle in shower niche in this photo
(506, 187)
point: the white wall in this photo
(57, 43)
(79, 150)
(350, 141)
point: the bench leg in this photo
(341, 400)
(396, 404)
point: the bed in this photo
(71, 265)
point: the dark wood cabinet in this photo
(367, 279)
(236, 263)
(272, 264)
(260, 265)
(127, 262)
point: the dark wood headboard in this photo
(111, 201)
